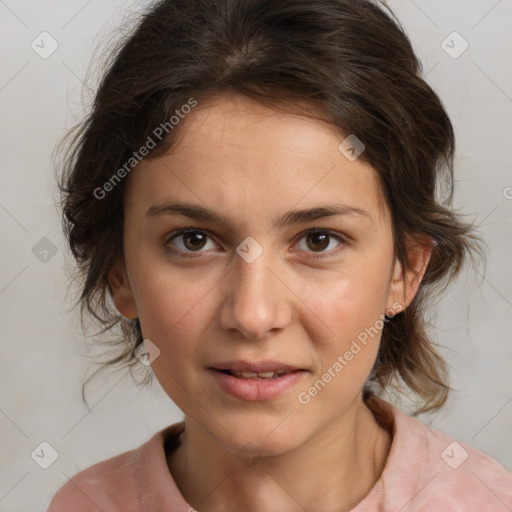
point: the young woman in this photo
(257, 192)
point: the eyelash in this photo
(313, 255)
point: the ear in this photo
(405, 282)
(121, 290)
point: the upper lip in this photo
(254, 366)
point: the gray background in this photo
(43, 363)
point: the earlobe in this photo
(121, 291)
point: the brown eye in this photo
(318, 241)
(321, 242)
(194, 240)
(189, 241)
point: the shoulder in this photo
(132, 481)
(94, 488)
(135, 480)
(444, 474)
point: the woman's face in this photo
(251, 288)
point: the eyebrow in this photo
(292, 217)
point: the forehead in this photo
(237, 153)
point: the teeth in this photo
(248, 375)
(253, 375)
(266, 375)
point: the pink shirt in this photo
(426, 471)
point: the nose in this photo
(255, 300)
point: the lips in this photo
(256, 381)
(255, 375)
(263, 369)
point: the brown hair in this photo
(347, 61)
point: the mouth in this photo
(260, 381)
(255, 375)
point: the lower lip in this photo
(257, 389)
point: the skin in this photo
(205, 304)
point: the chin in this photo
(264, 436)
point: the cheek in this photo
(352, 305)
(172, 309)
(174, 317)
(353, 300)
(354, 313)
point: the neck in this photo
(333, 471)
